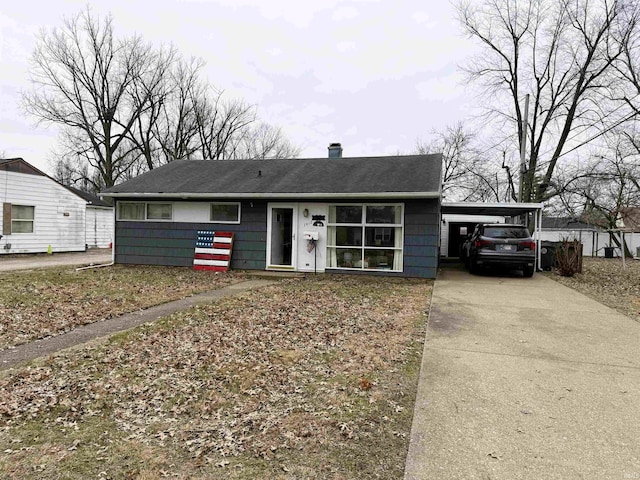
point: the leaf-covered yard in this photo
(39, 303)
(312, 378)
(605, 280)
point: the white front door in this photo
(282, 227)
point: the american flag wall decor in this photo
(213, 251)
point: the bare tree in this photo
(466, 174)
(606, 185)
(262, 140)
(125, 107)
(177, 127)
(85, 80)
(219, 121)
(568, 55)
(150, 93)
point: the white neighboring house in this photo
(99, 220)
(592, 237)
(38, 213)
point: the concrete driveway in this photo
(525, 379)
(94, 256)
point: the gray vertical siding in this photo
(172, 243)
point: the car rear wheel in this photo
(527, 271)
(473, 267)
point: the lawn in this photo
(39, 303)
(311, 378)
(604, 280)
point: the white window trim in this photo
(234, 222)
(364, 225)
(145, 219)
(23, 220)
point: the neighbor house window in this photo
(159, 211)
(365, 237)
(144, 211)
(225, 213)
(22, 218)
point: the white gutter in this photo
(254, 196)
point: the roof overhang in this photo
(317, 196)
(502, 209)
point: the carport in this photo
(512, 210)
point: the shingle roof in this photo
(565, 223)
(396, 176)
(19, 165)
(89, 198)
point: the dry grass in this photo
(604, 280)
(312, 378)
(40, 303)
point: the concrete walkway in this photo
(525, 379)
(94, 256)
(40, 348)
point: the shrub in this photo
(569, 257)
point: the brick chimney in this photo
(335, 150)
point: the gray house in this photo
(374, 215)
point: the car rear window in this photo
(506, 232)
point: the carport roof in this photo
(503, 209)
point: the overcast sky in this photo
(373, 75)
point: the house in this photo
(339, 215)
(629, 219)
(629, 228)
(99, 220)
(38, 213)
(592, 237)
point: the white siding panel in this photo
(59, 214)
(99, 226)
(191, 212)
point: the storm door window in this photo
(22, 218)
(365, 237)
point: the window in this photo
(131, 211)
(225, 213)
(22, 218)
(144, 211)
(159, 211)
(365, 237)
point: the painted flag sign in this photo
(213, 251)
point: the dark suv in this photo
(500, 244)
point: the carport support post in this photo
(537, 216)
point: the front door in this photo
(281, 236)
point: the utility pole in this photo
(523, 148)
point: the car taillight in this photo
(482, 243)
(527, 245)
